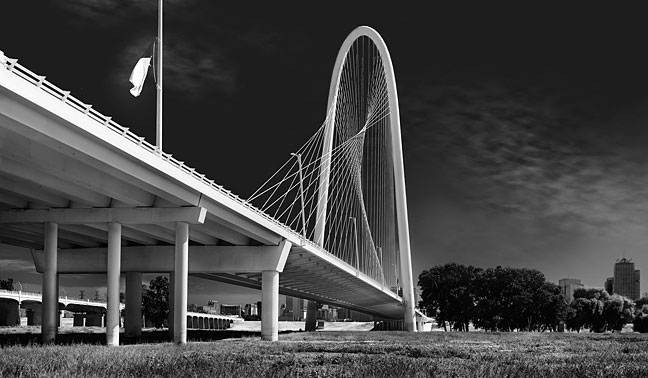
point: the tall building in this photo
(626, 279)
(568, 286)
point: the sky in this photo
(524, 128)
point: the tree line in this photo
(521, 299)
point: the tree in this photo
(508, 299)
(617, 312)
(599, 311)
(551, 307)
(640, 322)
(155, 301)
(578, 314)
(7, 284)
(447, 294)
(642, 301)
(589, 304)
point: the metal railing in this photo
(29, 294)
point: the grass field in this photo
(349, 354)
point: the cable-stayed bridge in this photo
(89, 196)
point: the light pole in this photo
(65, 294)
(301, 190)
(19, 302)
(355, 233)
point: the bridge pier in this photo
(133, 318)
(181, 283)
(170, 320)
(49, 327)
(311, 316)
(270, 300)
(114, 270)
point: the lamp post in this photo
(301, 190)
(19, 301)
(355, 233)
(65, 294)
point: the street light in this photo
(19, 302)
(355, 232)
(301, 190)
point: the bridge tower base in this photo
(311, 316)
(181, 283)
(114, 273)
(49, 328)
(270, 300)
(133, 319)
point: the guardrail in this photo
(21, 71)
(28, 294)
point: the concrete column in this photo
(270, 300)
(311, 316)
(114, 271)
(171, 302)
(50, 289)
(181, 283)
(133, 321)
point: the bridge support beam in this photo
(133, 320)
(114, 270)
(50, 285)
(170, 321)
(311, 316)
(270, 300)
(181, 283)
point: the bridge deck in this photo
(57, 152)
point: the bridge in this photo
(87, 195)
(86, 311)
(195, 320)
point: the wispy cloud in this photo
(530, 155)
(191, 67)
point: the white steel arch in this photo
(402, 224)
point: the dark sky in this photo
(524, 128)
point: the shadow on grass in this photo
(147, 337)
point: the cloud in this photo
(190, 67)
(108, 11)
(528, 154)
(195, 66)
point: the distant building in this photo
(568, 286)
(251, 309)
(226, 309)
(609, 285)
(626, 279)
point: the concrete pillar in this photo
(270, 299)
(50, 290)
(311, 316)
(133, 320)
(181, 283)
(114, 271)
(171, 302)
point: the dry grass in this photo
(376, 354)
